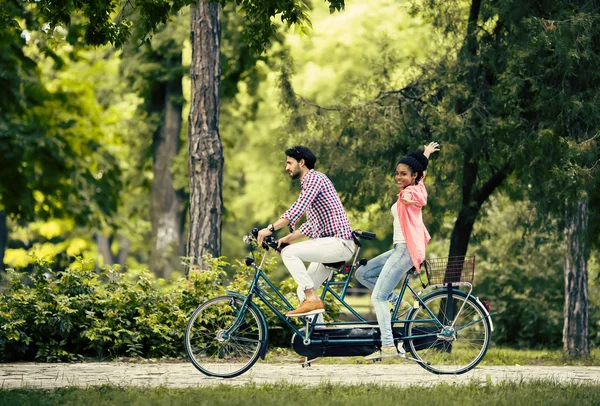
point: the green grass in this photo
(494, 357)
(532, 393)
(508, 356)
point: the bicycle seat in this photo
(364, 235)
(335, 265)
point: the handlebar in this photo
(269, 241)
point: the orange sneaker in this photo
(307, 308)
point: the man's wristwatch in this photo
(271, 228)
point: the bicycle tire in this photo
(212, 349)
(443, 354)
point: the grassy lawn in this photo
(494, 356)
(534, 393)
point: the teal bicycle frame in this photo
(275, 300)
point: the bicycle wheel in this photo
(458, 346)
(215, 345)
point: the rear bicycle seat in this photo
(356, 235)
(335, 265)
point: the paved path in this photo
(32, 375)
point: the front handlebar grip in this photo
(367, 235)
(273, 245)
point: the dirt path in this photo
(185, 375)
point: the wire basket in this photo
(441, 271)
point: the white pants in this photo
(317, 252)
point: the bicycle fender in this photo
(265, 344)
(487, 314)
(476, 299)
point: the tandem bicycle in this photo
(446, 331)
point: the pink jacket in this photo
(411, 222)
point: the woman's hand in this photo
(406, 198)
(431, 148)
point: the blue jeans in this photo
(382, 274)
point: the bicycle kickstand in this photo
(307, 362)
(403, 355)
(407, 358)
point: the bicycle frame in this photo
(272, 301)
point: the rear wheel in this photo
(215, 345)
(457, 346)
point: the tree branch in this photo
(492, 184)
(593, 166)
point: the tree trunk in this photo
(3, 239)
(104, 243)
(124, 245)
(166, 206)
(205, 148)
(472, 200)
(576, 328)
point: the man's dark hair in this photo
(299, 152)
(414, 165)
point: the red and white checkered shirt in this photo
(325, 215)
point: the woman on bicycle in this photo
(383, 273)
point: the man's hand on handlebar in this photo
(262, 234)
(284, 242)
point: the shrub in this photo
(79, 312)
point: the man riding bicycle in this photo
(326, 225)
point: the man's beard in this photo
(295, 175)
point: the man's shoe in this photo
(307, 308)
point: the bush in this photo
(78, 312)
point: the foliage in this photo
(560, 81)
(76, 312)
(53, 163)
(362, 90)
(110, 21)
(509, 392)
(519, 270)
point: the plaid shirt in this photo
(325, 214)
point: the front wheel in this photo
(459, 344)
(221, 344)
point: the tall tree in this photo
(563, 80)
(155, 71)
(205, 147)
(3, 238)
(167, 208)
